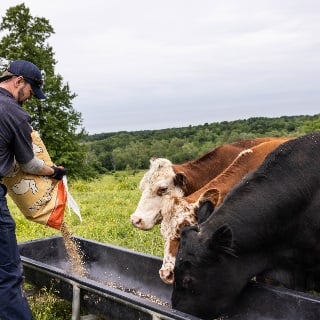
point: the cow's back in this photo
(249, 143)
(271, 201)
(203, 169)
(247, 161)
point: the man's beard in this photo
(21, 97)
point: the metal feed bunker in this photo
(125, 285)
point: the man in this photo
(21, 80)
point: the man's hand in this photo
(58, 173)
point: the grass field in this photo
(106, 205)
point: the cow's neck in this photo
(255, 263)
(202, 170)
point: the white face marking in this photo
(155, 185)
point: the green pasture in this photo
(106, 205)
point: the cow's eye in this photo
(161, 191)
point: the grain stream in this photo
(75, 255)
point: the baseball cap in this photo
(30, 73)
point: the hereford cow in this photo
(270, 220)
(163, 177)
(182, 211)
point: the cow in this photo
(182, 211)
(269, 221)
(163, 178)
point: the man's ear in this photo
(18, 81)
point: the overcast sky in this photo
(148, 64)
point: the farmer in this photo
(20, 81)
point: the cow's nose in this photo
(166, 275)
(136, 221)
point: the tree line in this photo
(132, 150)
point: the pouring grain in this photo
(75, 255)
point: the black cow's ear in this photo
(221, 240)
(205, 210)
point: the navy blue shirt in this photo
(15, 133)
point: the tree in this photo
(59, 124)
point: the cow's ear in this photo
(222, 240)
(212, 195)
(180, 180)
(205, 210)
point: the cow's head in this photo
(157, 183)
(206, 274)
(180, 215)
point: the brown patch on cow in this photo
(201, 170)
(212, 195)
(248, 143)
(180, 180)
(173, 247)
(247, 161)
(198, 172)
(184, 223)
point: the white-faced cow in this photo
(182, 211)
(163, 178)
(270, 220)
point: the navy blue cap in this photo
(30, 73)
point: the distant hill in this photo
(133, 149)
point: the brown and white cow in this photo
(164, 178)
(182, 211)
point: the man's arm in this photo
(38, 167)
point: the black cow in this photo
(269, 223)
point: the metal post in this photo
(76, 303)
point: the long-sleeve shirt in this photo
(15, 133)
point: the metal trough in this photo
(124, 285)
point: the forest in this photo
(132, 150)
